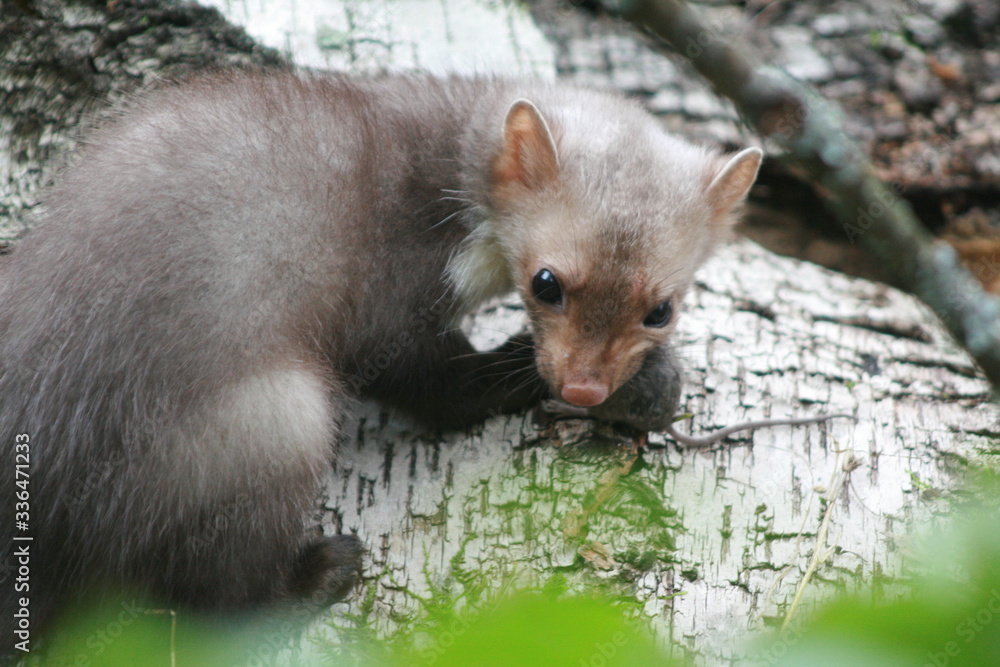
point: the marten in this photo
(211, 278)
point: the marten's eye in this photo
(546, 288)
(659, 316)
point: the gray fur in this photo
(231, 259)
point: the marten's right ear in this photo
(528, 152)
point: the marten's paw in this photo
(328, 569)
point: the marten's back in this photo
(194, 239)
(228, 241)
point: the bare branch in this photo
(811, 130)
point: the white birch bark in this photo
(712, 542)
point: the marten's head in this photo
(603, 219)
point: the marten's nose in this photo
(584, 395)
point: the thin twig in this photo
(821, 552)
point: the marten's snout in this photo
(584, 395)
(586, 375)
(591, 332)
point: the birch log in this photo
(709, 543)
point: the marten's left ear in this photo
(528, 152)
(731, 184)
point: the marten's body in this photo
(234, 257)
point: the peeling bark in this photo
(707, 543)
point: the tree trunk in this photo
(63, 63)
(710, 542)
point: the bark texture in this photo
(707, 543)
(63, 63)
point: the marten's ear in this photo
(731, 184)
(528, 152)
